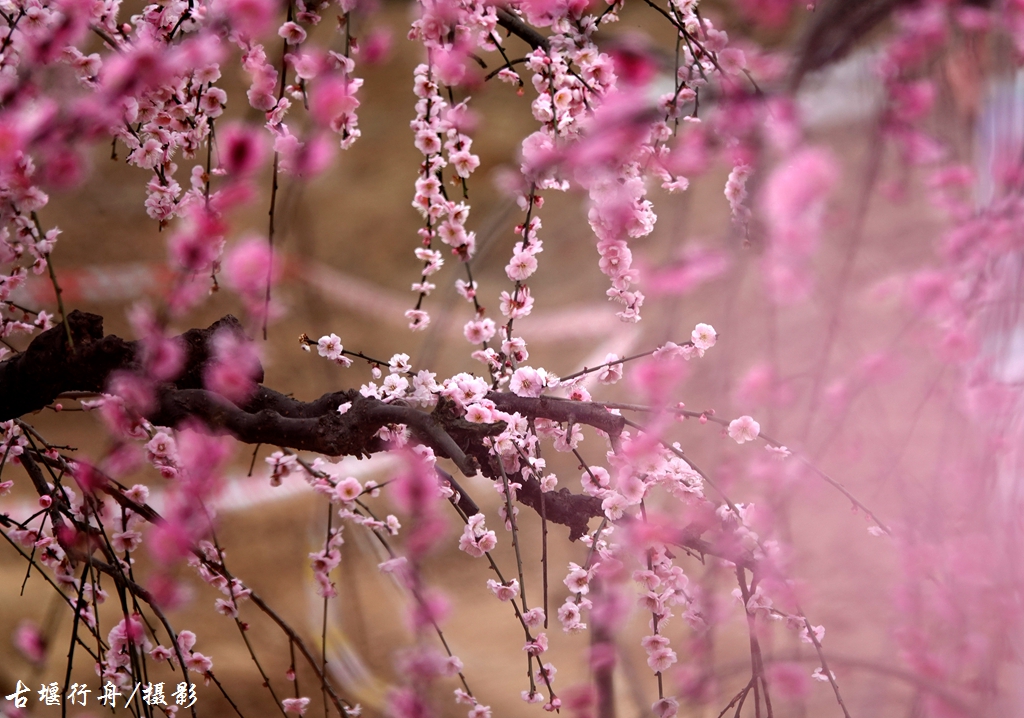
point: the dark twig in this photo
(521, 30)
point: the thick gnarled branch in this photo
(35, 378)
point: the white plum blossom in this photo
(432, 258)
(819, 675)
(703, 337)
(476, 540)
(522, 265)
(395, 386)
(517, 304)
(292, 33)
(466, 290)
(399, 364)
(744, 429)
(527, 381)
(611, 373)
(660, 659)
(569, 616)
(515, 348)
(464, 389)
(819, 634)
(479, 413)
(504, 592)
(578, 579)
(614, 505)
(418, 319)
(534, 618)
(666, 708)
(479, 331)
(330, 347)
(464, 163)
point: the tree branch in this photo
(521, 30)
(33, 379)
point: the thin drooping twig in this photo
(708, 416)
(323, 629)
(56, 285)
(756, 662)
(739, 697)
(416, 592)
(125, 583)
(225, 694)
(894, 672)
(544, 555)
(77, 610)
(6, 522)
(654, 614)
(510, 517)
(824, 663)
(273, 189)
(519, 616)
(243, 631)
(294, 637)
